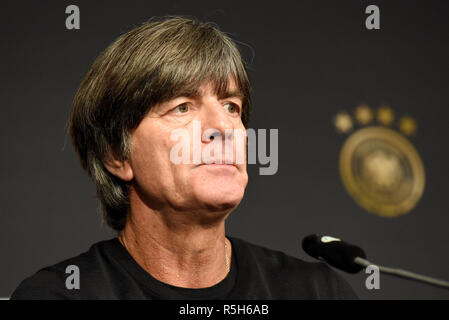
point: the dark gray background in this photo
(312, 59)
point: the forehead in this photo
(211, 87)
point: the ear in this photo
(120, 169)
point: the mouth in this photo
(218, 166)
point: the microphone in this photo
(335, 252)
(352, 259)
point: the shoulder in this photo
(295, 277)
(61, 280)
(274, 260)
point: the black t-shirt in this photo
(108, 271)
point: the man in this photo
(168, 75)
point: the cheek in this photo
(240, 148)
(147, 155)
(152, 165)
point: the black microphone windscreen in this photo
(337, 253)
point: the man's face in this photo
(190, 186)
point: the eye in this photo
(232, 107)
(182, 108)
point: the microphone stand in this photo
(404, 274)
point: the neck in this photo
(177, 253)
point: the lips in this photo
(220, 161)
(218, 166)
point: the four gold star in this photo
(364, 115)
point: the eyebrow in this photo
(233, 94)
(228, 94)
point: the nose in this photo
(215, 121)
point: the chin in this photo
(217, 201)
(219, 193)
